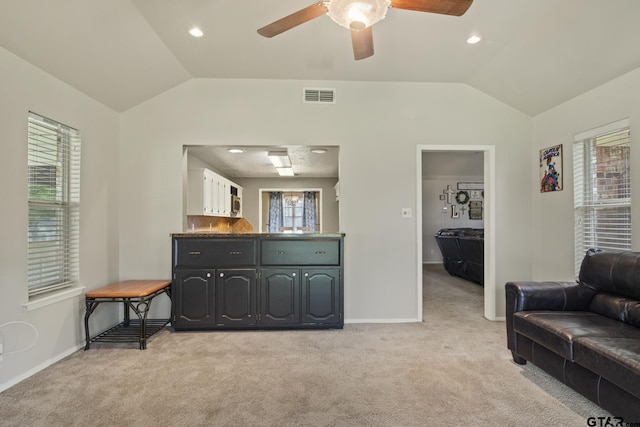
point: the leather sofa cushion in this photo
(614, 272)
(557, 330)
(616, 307)
(615, 359)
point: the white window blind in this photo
(54, 205)
(602, 190)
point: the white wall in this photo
(377, 126)
(553, 212)
(434, 217)
(24, 87)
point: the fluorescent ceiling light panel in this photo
(285, 171)
(280, 159)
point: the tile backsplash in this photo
(216, 224)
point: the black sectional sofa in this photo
(463, 252)
(584, 333)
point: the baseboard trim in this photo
(383, 321)
(38, 368)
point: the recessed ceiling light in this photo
(318, 151)
(474, 39)
(235, 150)
(196, 32)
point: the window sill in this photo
(43, 301)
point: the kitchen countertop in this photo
(218, 234)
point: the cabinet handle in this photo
(221, 274)
(320, 252)
(235, 253)
(279, 252)
(208, 274)
(306, 274)
(293, 274)
(194, 252)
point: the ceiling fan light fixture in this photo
(357, 14)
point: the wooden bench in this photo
(135, 295)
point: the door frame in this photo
(489, 221)
(293, 190)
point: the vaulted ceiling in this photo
(534, 54)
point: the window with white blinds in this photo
(602, 189)
(54, 205)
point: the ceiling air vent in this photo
(319, 96)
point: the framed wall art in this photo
(551, 169)
(471, 186)
(475, 194)
(475, 209)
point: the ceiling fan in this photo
(360, 15)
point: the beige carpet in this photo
(452, 369)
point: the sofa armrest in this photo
(531, 296)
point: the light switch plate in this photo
(406, 213)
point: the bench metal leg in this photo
(91, 305)
(141, 310)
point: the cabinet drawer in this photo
(209, 253)
(300, 252)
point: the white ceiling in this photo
(534, 54)
(254, 162)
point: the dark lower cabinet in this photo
(193, 299)
(257, 282)
(321, 296)
(279, 297)
(236, 297)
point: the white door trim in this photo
(489, 222)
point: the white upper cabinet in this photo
(208, 193)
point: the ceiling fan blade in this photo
(362, 41)
(293, 20)
(445, 7)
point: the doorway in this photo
(488, 158)
(296, 205)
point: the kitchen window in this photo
(293, 211)
(53, 157)
(602, 189)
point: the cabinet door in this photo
(224, 197)
(236, 297)
(208, 192)
(321, 296)
(215, 194)
(280, 297)
(193, 299)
